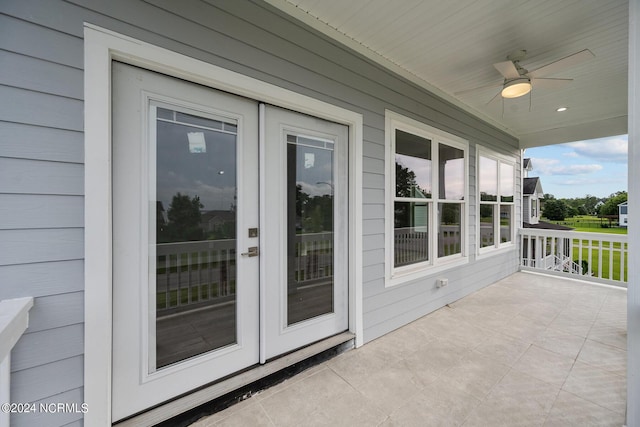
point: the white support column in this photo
(633, 288)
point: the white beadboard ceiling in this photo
(450, 46)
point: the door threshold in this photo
(187, 409)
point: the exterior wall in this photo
(526, 208)
(41, 160)
(623, 214)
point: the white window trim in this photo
(395, 276)
(498, 247)
(101, 47)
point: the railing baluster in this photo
(554, 251)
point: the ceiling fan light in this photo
(516, 88)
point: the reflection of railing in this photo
(410, 246)
(449, 240)
(313, 257)
(189, 274)
(597, 257)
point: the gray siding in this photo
(526, 209)
(41, 155)
(41, 208)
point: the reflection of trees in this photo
(406, 184)
(402, 215)
(313, 214)
(450, 213)
(183, 220)
(486, 211)
(488, 197)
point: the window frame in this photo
(398, 275)
(498, 203)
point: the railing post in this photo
(14, 320)
(5, 389)
(554, 252)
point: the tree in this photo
(184, 218)
(610, 207)
(590, 203)
(555, 210)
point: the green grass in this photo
(590, 224)
(607, 269)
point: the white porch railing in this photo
(14, 320)
(597, 257)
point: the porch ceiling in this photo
(451, 46)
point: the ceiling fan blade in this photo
(507, 69)
(562, 64)
(548, 83)
(496, 96)
(476, 89)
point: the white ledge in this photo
(14, 320)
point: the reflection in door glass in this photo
(310, 198)
(195, 235)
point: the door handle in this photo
(252, 251)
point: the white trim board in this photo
(101, 47)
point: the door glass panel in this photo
(310, 222)
(194, 236)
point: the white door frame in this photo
(101, 47)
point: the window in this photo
(496, 188)
(534, 204)
(427, 189)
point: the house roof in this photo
(623, 203)
(526, 164)
(529, 185)
(449, 48)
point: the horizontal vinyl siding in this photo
(390, 310)
(41, 156)
(42, 205)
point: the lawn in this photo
(608, 264)
(590, 224)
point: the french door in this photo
(229, 228)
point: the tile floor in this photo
(530, 350)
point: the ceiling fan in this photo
(518, 81)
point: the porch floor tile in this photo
(529, 350)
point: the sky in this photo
(597, 167)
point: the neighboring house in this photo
(532, 196)
(535, 251)
(110, 108)
(623, 214)
(527, 167)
